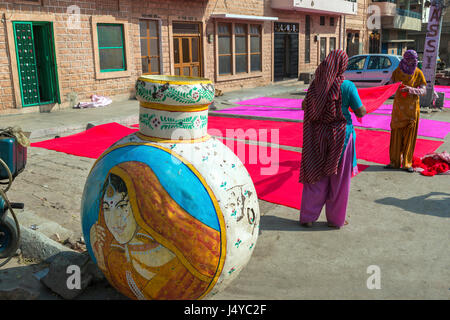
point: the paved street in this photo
(397, 221)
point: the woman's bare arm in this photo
(419, 91)
(361, 112)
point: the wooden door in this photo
(149, 30)
(187, 50)
(36, 62)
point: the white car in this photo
(371, 70)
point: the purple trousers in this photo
(332, 191)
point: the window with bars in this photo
(322, 20)
(111, 47)
(323, 49)
(255, 48)
(225, 53)
(150, 52)
(308, 39)
(239, 45)
(332, 44)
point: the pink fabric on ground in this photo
(384, 109)
(427, 127)
(332, 191)
(445, 89)
(387, 108)
(273, 102)
(269, 112)
(288, 133)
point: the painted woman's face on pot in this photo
(118, 215)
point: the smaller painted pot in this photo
(174, 91)
(174, 107)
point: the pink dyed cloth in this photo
(384, 109)
(331, 192)
(446, 103)
(273, 102)
(445, 89)
(387, 108)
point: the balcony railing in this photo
(387, 8)
(402, 20)
(409, 13)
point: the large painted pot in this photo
(170, 212)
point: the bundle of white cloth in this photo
(96, 102)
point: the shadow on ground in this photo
(281, 224)
(422, 204)
(380, 168)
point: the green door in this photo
(36, 63)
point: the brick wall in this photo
(74, 50)
(6, 90)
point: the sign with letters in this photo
(431, 50)
(286, 27)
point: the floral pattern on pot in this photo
(167, 123)
(172, 94)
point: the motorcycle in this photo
(13, 156)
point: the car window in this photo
(387, 63)
(356, 63)
(379, 63)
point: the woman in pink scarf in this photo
(328, 155)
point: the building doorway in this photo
(187, 49)
(323, 48)
(36, 63)
(352, 43)
(286, 50)
(374, 42)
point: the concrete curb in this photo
(35, 245)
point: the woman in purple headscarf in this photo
(406, 111)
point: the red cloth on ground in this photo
(90, 143)
(371, 145)
(280, 186)
(432, 164)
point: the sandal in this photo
(333, 226)
(410, 169)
